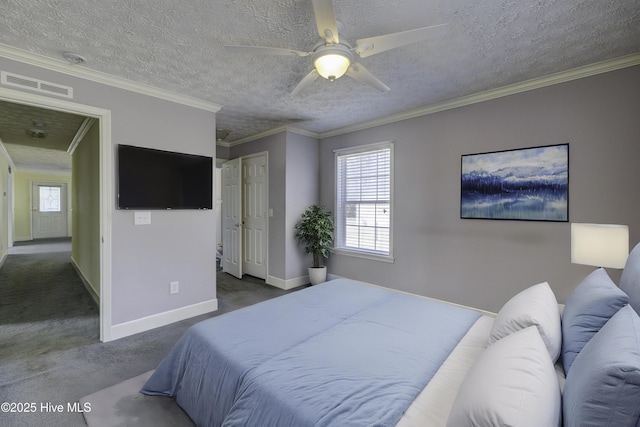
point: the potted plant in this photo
(315, 229)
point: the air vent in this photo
(29, 83)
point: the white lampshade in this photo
(600, 245)
(332, 66)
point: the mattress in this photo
(433, 404)
(339, 353)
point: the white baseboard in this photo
(3, 257)
(288, 283)
(161, 319)
(95, 295)
(293, 283)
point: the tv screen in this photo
(156, 179)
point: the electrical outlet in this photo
(174, 287)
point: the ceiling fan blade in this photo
(306, 81)
(373, 45)
(266, 50)
(358, 72)
(326, 20)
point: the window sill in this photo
(365, 255)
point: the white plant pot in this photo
(317, 275)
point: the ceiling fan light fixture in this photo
(36, 133)
(332, 63)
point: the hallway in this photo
(44, 307)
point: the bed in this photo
(344, 353)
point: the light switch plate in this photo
(174, 287)
(142, 218)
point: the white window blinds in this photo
(364, 190)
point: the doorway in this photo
(105, 186)
(245, 218)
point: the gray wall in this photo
(275, 145)
(293, 185)
(178, 245)
(484, 262)
(303, 189)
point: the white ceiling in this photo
(178, 45)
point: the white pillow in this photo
(513, 383)
(535, 306)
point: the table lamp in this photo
(599, 245)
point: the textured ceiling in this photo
(178, 45)
(60, 129)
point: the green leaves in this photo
(315, 228)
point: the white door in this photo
(48, 209)
(231, 218)
(255, 215)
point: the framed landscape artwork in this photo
(524, 184)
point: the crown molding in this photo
(82, 131)
(269, 132)
(552, 79)
(43, 171)
(5, 154)
(60, 66)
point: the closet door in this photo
(255, 215)
(232, 218)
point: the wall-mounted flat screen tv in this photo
(156, 179)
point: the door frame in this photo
(107, 196)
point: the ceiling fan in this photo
(333, 58)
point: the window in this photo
(49, 199)
(364, 200)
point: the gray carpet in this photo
(49, 349)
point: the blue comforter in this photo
(336, 354)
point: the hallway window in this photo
(49, 199)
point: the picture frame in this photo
(528, 184)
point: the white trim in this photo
(107, 200)
(269, 132)
(106, 187)
(550, 80)
(161, 319)
(287, 284)
(82, 131)
(362, 148)
(87, 284)
(38, 171)
(5, 153)
(365, 255)
(98, 77)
